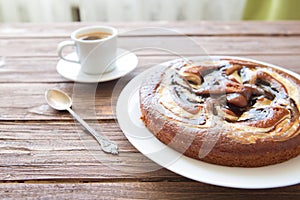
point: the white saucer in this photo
(125, 63)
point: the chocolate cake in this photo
(225, 111)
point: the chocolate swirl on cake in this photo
(257, 105)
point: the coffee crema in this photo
(93, 36)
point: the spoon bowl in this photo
(59, 100)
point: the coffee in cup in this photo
(96, 48)
(94, 36)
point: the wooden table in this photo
(44, 153)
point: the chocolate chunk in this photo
(237, 100)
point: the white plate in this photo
(128, 115)
(126, 62)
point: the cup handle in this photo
(60, 48)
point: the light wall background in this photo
(119, 10)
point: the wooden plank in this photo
(212, 28)
(165, 45)
(32, 69)
(62, 151)
(27, 101)
(139, 190)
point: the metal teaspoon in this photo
(59, 100)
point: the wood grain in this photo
(165, 45)
(138, 190)
(45, 154)
(32, 69)
(62, 150)
(202, 28)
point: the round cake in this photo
(226, 111)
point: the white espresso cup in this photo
(96, 48)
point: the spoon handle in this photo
(106, 145)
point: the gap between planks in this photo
(165, 35)
(101, 180)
